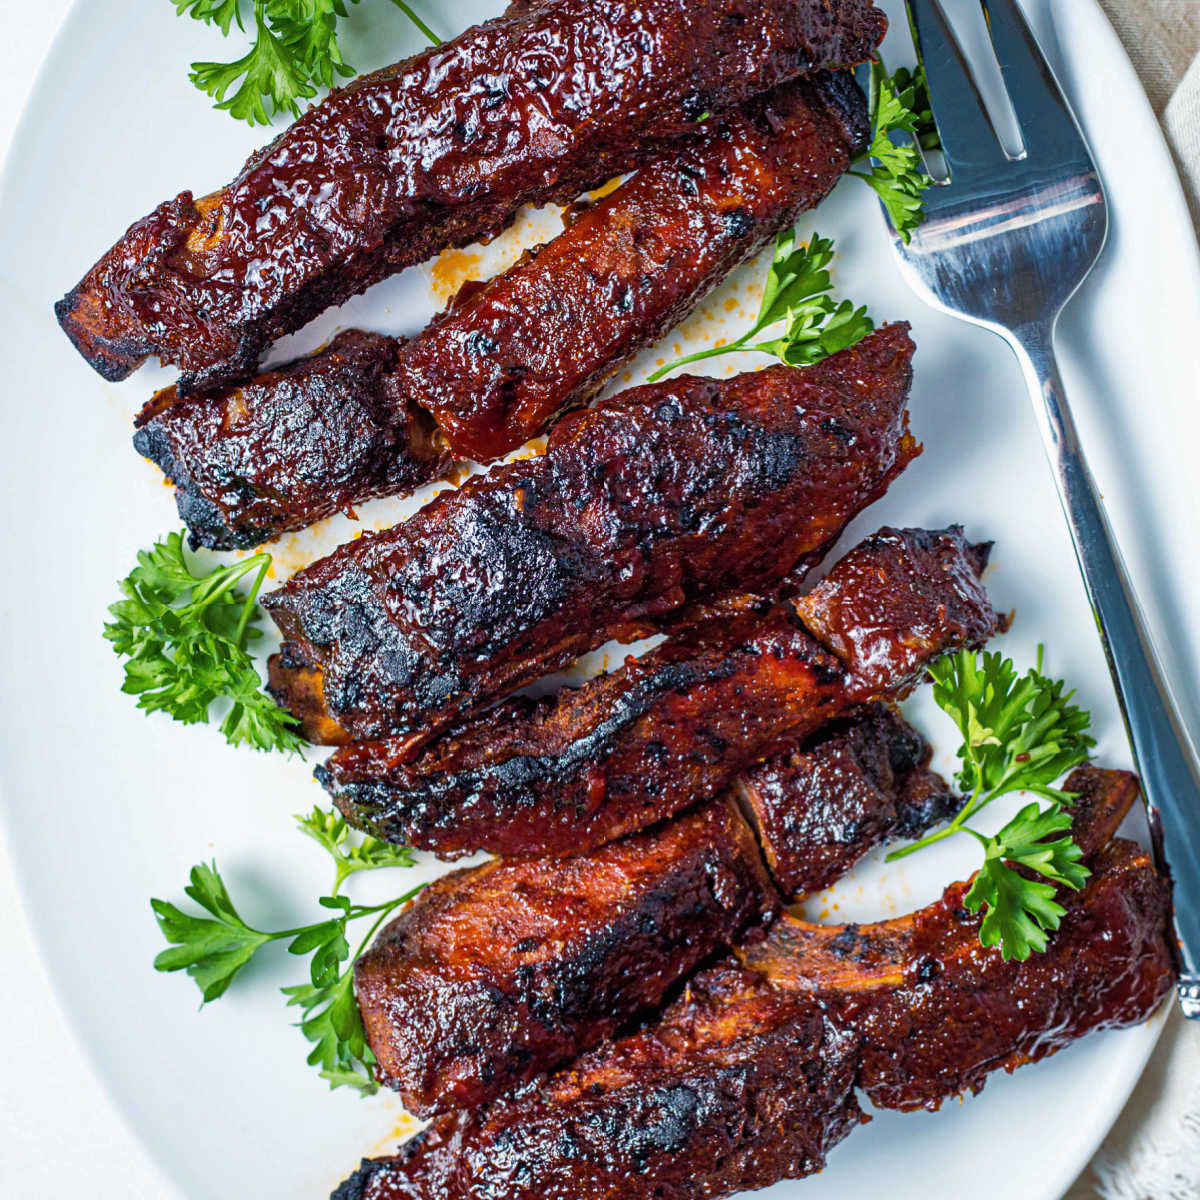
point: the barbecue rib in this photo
(547, 335)
(819, 809)
(665, 496)
(735, 1086)
(708, 1099)
(511, 354)
(534, 106)
(297, 444)
(500, 973)
(938, 1012)
(626, 750)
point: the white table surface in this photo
(58, 1130)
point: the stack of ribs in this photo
(729, 114)
(515, 1002)
(642, 512)
(748, 1076)
(371, 416)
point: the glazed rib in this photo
(499, 973)
(534, 106)
(542, 337)
(547, 335)
(817, 810)
(297, 444)
(665, 496)
(503, 972)
(735, 1086)
(912, 1010)
(938, 1012)
(677, 725)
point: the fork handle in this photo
(1162, 751)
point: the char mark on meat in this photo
(678, 725)
(295, 445)
(503, 972)
(663, 498)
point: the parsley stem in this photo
(432, 37)
(248, 608)
(957, 825)
(711, 352)
(387, 910)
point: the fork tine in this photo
(1047, 126)
(967, 135)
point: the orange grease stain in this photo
(403, 1128)
(610, 187)
(452, 269)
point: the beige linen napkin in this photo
(1153, 1151)
(1162, 37)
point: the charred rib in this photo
(938, 1012)
(819, 809)
(293, 446)
(665, 496)
(736, 1086)
(677, 725)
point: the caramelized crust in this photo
(736, 1086)
(675, 726)
(499, 973)
(887, 635)
(546, 335)
(938, 1012)
(665, 496)
(536, 105)
(819, 809)
(297, 444)
(351, 423)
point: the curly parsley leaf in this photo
(1019, 910)
(295, 52)
(222, 13)
(184, 638)
(1020, 733)
(350, 853)
(213, 949)
(899, 105)
(796, 296)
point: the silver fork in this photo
(1005, 244)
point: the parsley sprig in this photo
(213, 949)
(899, 104)
(796, 297)
(295, 52)
(185, 639)
(1020, 733)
